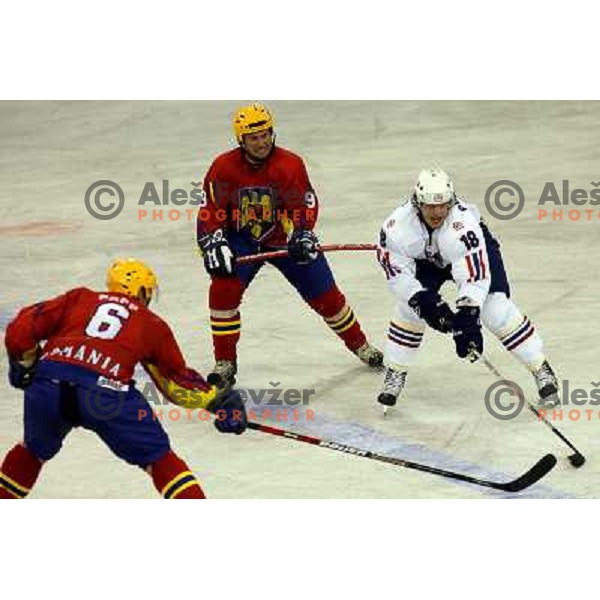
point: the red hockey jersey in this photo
(106, 333)
(264, 203)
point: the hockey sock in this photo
(18, 472)
(224, 300)
(340, 317)
(516, 332)
(347, 328)
(403, 343)
(173, 478)
(226, 333)
(525, 344)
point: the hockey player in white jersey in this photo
(436, 237)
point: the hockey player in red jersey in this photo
(82, 376)
(258, 197)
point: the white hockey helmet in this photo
(433, 186)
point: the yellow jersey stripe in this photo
(211, 192)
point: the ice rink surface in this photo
(362, 158)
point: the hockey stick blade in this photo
(541, 468)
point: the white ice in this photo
(361, 158)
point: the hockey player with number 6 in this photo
(436, 237)
(74, 356)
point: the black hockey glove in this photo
(20, 376)
(230, 413)
(466, 330)
(302, 246)
(218, 257)
(433, 310)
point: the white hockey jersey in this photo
(459, 242)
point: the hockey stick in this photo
(577, 459)
(252, 258)
(541, 468)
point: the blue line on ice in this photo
(367, 438)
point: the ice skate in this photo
(223, 374)
(392, 387)
(547, 384)
(370, 355)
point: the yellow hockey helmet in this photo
(251, 119)
(132, 277)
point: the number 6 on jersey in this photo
(107, 321)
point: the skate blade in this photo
(548, 403)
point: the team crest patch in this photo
(257, 215)
(457, 225)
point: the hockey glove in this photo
(230, 413)
(302, 246)
(218, 257)
(19, 375)
(433, 310)
(466, 330)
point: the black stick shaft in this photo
(532, 408)
(542, 418)
(540, 469)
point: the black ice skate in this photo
(370, 356)
(547, 384)
(392, 387)
(223, 374)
